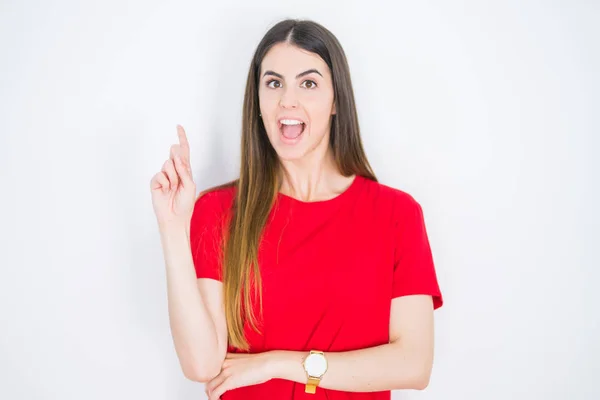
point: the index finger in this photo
(183, 142)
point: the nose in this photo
(289, 98)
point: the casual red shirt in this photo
(329, 271)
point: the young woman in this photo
(305, 277)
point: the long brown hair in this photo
(258, 183)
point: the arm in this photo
(404, 363)
(196, 316)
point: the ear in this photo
(333, 110)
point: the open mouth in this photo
(292, 132)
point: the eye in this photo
(271, 81)
(312, 84)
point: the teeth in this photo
(290, 122)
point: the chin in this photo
(290, 154)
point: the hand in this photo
(173, 189)
(240, 370)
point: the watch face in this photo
(315, 364)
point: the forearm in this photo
(384, 367)
(192, 328)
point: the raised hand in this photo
(173, 189)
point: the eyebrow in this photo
(300, 75)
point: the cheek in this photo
(317, 101)
(319, 110)
(268, 105)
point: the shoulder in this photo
(402, 213)
(389, 198)
(214, 203)
(220, 196)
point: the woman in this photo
(305, 275)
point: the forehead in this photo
(289, 60)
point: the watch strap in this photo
(311, 385)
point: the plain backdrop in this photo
(486, 112)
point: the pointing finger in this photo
(185, 146)
(176, 150)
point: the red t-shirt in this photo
(329, 271)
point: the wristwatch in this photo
(315, 365)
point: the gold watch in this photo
(315, 365)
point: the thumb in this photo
(184, 173)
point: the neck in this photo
(313, 178)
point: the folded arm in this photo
(404, 363)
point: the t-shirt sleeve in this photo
(206, 232)
(414, 270)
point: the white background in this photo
(487, 113)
